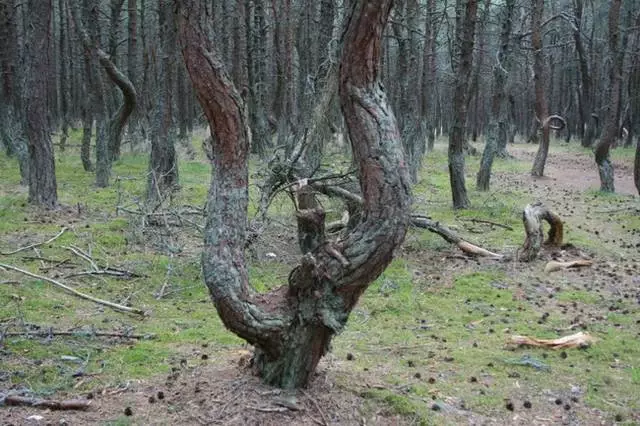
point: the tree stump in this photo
(532, 218)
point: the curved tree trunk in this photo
(42, 171)
(532, 218)
(292, 327)
(539, 78)
(605, 167)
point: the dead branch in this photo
(74, 292)
(81, 254)
(77, 333)
(62, 231)
(555, 265)
(488, 222)
(578, 340)
(71, 404)
(451, 237)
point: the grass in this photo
(429, 330)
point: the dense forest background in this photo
(456, 68)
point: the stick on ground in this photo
(62, 231)
(112, 305)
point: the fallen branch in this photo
(112, 305)
(555, 265)
(578, 340)
(62, 231)
(473, 219)
(71, 404)
(78, 333)
(452, 237)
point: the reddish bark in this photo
(292, 328)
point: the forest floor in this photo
(425, 345)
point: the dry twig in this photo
(112, 305)
(62, 231)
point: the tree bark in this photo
(292, 327)
(428, 81)
(605, 167)
(539, 78)
(457, 132)
(497, 129)
(532, 218)
(42, 171)
(163, 163)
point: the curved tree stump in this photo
(532, 218)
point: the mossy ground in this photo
(426, 341)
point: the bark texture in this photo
(601, 151)
(497, 129)
(42, 171)
(457, 133)
(292, 326)
(540, 80)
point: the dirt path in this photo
(577, 171)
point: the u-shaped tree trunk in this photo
(292, 326)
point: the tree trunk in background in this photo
(636, 167)
(163, 163)
(132, 58)
(64, 88)
(497, 128)
(587, 125)
(42, 173)
(539, 78)
(428, 81)
(457, 132)
(292, 327)
(605, 167)
(11, 123)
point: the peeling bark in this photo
(292, 326)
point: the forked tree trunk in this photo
(605, 167)
(42, 170)
(539, 78)
(291, 327)
(532, 218)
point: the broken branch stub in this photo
(532, 218)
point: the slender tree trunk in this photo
(539, 78)
(497, 129)
(42, 173)
(605, 167)
(292, 326)
(636, 167)
(587, 126)
(163, 164)
(132, 58)
(64, 108)
(457, 132)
